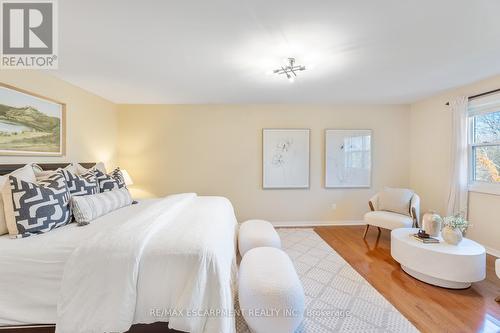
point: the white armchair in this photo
(393, 208)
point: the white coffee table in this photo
(443, 265)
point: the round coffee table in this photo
(443, 264)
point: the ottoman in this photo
(271, 296)
(257, 233)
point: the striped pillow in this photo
(89, 207)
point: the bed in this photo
(185, 272)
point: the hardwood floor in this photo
(429, 308)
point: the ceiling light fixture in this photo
(290, 70)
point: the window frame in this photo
(475, 185)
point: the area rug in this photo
(338, 299)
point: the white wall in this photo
(430, 166)
(217, 150)
(91, 124)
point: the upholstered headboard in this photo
(8, 168)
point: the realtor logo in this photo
(29, 34)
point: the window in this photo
(484, 144)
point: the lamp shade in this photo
(126, 177)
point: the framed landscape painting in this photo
(285, 158)
(348, 156)
(31, 124)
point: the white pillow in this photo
(80, 170)
(25, 173)
(40, 173)
(89, 207)
(396, 200)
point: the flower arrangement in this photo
(456, 221)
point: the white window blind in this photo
(485, 104)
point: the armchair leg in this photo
(366, 230)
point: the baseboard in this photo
(493, 252)
(302, 224)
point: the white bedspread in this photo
(187, 267)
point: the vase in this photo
(431, 224)
(452, 235)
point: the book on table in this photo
(426, 240)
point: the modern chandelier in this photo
(290, 70)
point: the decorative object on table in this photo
(431, 223)
(454, 227)
(348, 158)
(422, 234)
(285, 158)
(30, 124)
(424, 237)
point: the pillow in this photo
(80, 170)
(38, 207)
(89, 207)
(40, 173)
(113, 181)
(36, 168)
(396, 200)
(118, 176)
(24, 173)
(84, 184)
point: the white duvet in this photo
(170, 260)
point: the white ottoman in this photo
(270, 293)
(257, 233)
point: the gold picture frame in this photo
(31, 124)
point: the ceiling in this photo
(221, 51)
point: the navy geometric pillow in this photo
(85, 184)
(42, 206)
(118, 176)
(113, 181)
